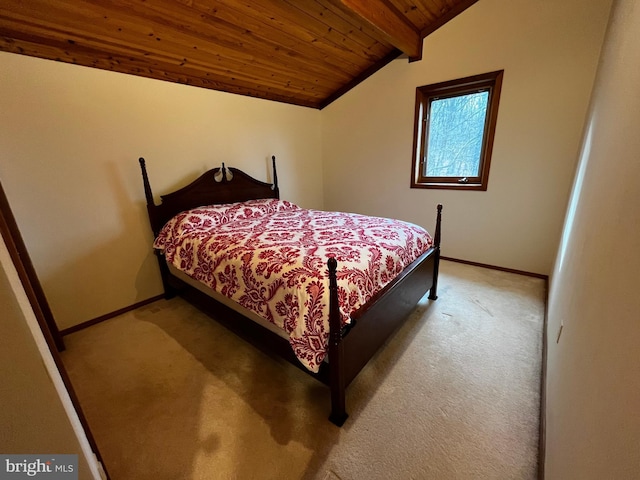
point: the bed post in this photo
(336, 350)
(433, 292)
(275, 177)
(149, 195)
(169, 291)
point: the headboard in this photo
(212, 187)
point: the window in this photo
(453, 136)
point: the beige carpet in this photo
(170, 394)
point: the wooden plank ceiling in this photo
(302, 52)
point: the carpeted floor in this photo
(170, 394)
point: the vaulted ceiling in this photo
(302, 52)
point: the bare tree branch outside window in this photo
(456, 128)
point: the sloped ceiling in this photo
(302, 52)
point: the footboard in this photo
(351, 349)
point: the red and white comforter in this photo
(270, 256)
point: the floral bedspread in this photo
(270, 256)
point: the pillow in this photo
(201, 220)
(257, 208)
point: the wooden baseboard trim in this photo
(542, 435)
(493, 267)
(108, 316)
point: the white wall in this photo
(549, 52)
(70, 138)
(593, 380)
(36, 414)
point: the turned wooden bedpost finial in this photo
(151, 206)
(275, 177)
(438, 233)
(145, 179)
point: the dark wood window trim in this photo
(491, 82)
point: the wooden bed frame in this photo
(350, 348)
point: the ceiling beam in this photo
(391, 24)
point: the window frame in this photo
(491, 82)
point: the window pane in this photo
(456, 128)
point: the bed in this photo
(215, 210)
